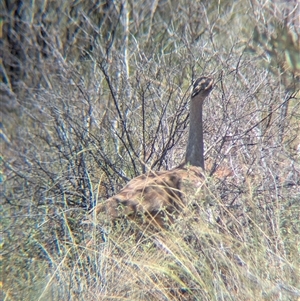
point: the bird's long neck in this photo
(195, 146)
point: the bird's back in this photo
(157, 195)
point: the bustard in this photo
(158, 195)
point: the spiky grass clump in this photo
(214, 251)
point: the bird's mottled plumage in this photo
(158, 195)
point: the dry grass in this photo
(215, 251)
(95, 94)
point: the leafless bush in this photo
(95, 93)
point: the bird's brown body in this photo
(158, 195)
(155, 195)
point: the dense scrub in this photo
(95, 93)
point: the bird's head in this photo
(202, 86)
